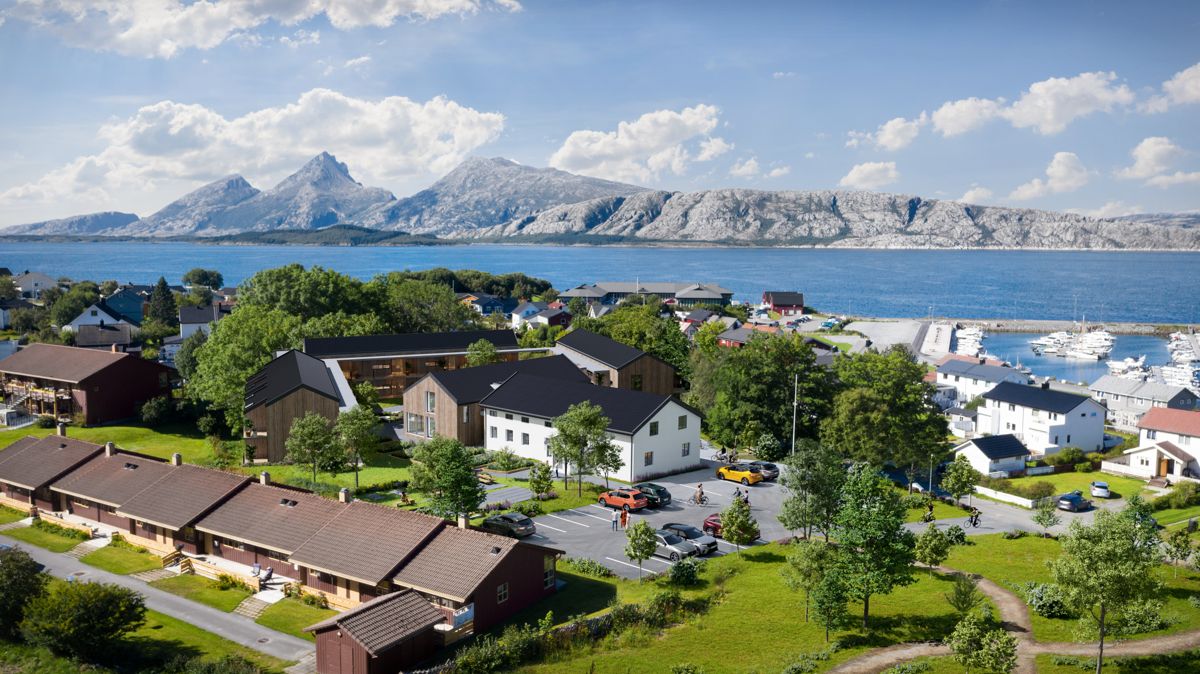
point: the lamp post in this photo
(929, 486)
(795, 403)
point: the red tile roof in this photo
(1166, 419)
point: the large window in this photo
(416, 424)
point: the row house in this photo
(679, 294)
(1127, 400)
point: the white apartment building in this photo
(1044, 419)
(972, 379)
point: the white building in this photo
(525, 311)
(1127, 400)
(101, 314)
(1169, 447)
(972, 379)
(199, 319)
(962, 421)
(994, 453)
(657, 434)
(1044, 419)
(32, 284)
(6, 309)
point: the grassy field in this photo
(380, 468)
(1175, 515)
(1121, 487)
(160, 442)
(9, 515)
(1173, 663)
(122, 560)
(941, 511)
(1010, 563)
(291, 616)
(203, 590)
(43, 539)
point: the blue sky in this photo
(1089, 106)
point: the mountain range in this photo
(498, 200)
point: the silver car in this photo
(704, 544)
(1100, 490)
(672, 546)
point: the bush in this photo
(624, 615)
(1194, 600)
(83, 620)
(46, 421)
(529, 508)
(663, 607)
(909, 668)
(504, 460)
(1184, 495)
(157, 411)
(1085, 467)
(1067, 455)
(956, 535)
(1034, 490)
(1014, 534)
(228, 582)
(1141, 617)
(230, 664)
(65, 532)
(1047, 600)
(211, 425)
(686, 668)
(684, 573)
(588, 567)
(483, 656)
(22, 581)
(914, 501)
(317, 600)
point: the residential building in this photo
(393, 362)
(118, 337)
(132, 300)
(550, 317)
(1044, 419)
(387, 634)
(199, 319)
(162, 517)
(1127, 400)
(285, 389)
(486, 305)
(697, 316)
(6, 309)
(1168, 450)
(972, 379)
(523, 312)
(994, 454)
(96, 490)
(680, 294)
(32, 284)
(30, 465)
(101, 313)
(784, 302)
(608, 362)
(1173, 425)
(447, 403)
(961, 422)
(656, 434)
(88, 385)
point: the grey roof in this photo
(1137, 389)
(598, 347)
(472, 384)
(548, 313)
(982, 372)
(182, 496)
(287, 373)
(203, 315)
(112, 480)
(271, 517)
(380, 624)
(1035, 397)
(962, 412)
(661, 288)
(366, 542)
(699, 315)
(739, 335)
(33, 465)
(785, 298)
(410, 343)
(1174, 450)
(996, 447)
(112, 313)
(90, 336)
(61, 363)
(454, 562)
(17, 303)
(528, 306)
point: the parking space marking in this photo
(602, 519)
(632, 566)
(543, 524)
(656, 559)
(578, 524)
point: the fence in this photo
(1012, 498)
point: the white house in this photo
(32, 284)
(525, 311)
(962, 421)
(994, 453)
(101, 314)
(1046, 420)
(6, 309)
(657, 434)
(1169, 447)
(198, 319)
(972, 379)
(1127, 400)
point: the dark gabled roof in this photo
(5, 271)
(1035, 397)
(271, 517)
(203, 315)
(17, 303)
(61, 363)
(33, 465)
(366, 542)
(738, 335)
(785, 298)
(1174, 450)
(414, 343)
(287, 373)
(88, 336)
(996, 447)
(454, 562)
(962, 412)
(699, 315)
(112, 480)
(598, 347)
(548, 313)
(385, 621)
(182, 496)
(472, 384)
(626, 410)
(528, 306)
(976, 370)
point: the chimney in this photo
(344, 495)
(264, 478)
(115, 349)
(62, 429)
(109, 449)
(462, 521)
(176, 459)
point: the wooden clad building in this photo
(285, 389)
(30, 465)
(386, 635)
(608, 362)
(98, 488)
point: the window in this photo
(431, 429)
(1068, 438)
(524, 438)
(1012, 407)
(682, 421)
(502, 593)
(416, 424)
(1056, 439)
(955, 378)
(95, 313)
(548, 578)
(687, 449)
(653, 428)
(648, 459)
(524, 420)
(508, 416)
(508, 434)
(493, 432)
(547, 424)
(1150, 435)
(636, 382)
(466, 415)
(430, 401)
(493, 413)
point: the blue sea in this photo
(1014, 347)
(1112, 286)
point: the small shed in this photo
(386, 635)
(995, 453)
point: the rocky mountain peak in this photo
(322, 172)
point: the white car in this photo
(1100, 490)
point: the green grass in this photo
(122, 560)
(161, 442)
(291, 616)
(1171, 663)
(941, 511)
(10, 515)
(167, 635)
(1121, 487)
(1175, 515)
(380, 468)
(43, 539)
(844, 347)
(203, 590)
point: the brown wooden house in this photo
(93, 386)
(608, 362)
(447, 403)
(162, 517)
(285, 389)
(98, 488)
(386, 635)
(30, 465)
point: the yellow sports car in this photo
(739, 472)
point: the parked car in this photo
(672, 546)
(625, 499)
(739, 472)
(510, 524)
(656, 495)
(1100, 490)
(705, 544)
(1074, 502)
(712, 526)
(768, 470)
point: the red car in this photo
(712, 526)
(625, 499)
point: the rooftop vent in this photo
(495, 549)
(131, 466)
(288, 503)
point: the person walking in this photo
(624, 519)
(614, 520)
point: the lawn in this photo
(1011, 563)
(1174, 515)
(161, 442)
(10, 515)
(165, 636)
(122, 560)
(1188, 661)
(1121, 487)
(941, 511)
(203, 590)
(380, 468)
(43, 539)
(756, 603)
(291, 616)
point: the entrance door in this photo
(347, 664)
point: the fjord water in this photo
(1162, 287)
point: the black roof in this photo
(699, 315)
(14, 303)
(205, 315)
(472, 384)
(626, 410)
(962, 412)
(784, 298)
(601, 348)
(997, 447)
(103, 335)
(394, 345)
(1035, 397)
(291, 371)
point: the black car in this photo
(768, 470)
(705, 544)
(510, 524)
(656, 495)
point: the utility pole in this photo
(795, 403)
(929, 487)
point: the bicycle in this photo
(692, 500)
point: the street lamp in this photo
(929, 486)
(795, 403)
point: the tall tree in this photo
(1178, 548)
(813, 480)
(807, 564)
(876, 550)
(1105, 567)
(67, 306)
(960, 478)
(978, 642)
(161, 306)
(355, 430)
(861, 426)
(21, 581)
(539, 478)
(737, 525)
(209, 278)
(643, 328)
(307, 293)
(421, 306)
(580, 437)
(704, 365)
(829, 602)
(453, 487)
(83, 620)
(640, 543)
(482, 352)
(310, 442)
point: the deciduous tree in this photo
(8, 288)
(307, 293)
(829, 603)
(964, 596)
(813, 480)
(185, 358)
(421, 306)
(978, 642)
(807, 563)
(482, 352)
(311, 442)
(580, 440)
(960, 478)
(640, 543)
(539, 478)
(449, 477)
(21, 581)
(737, 525)
(932, 547)
(209, 278)
(355, 430)
(1045, 516)
(83, 620)
(1178, 548)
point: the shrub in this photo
(1184, 495)
(65, 532)
(913, 501)
(624, 615)
(1014, 534)
(317, 600)
(118, 541)
(22, 580)
(156, 411)
(686, 668)
(483, 656)
(210, 425)
(588, 567)
(1141, 617)
(83, 620)
(1194, 600)
(228, 582)
(1085, 467)
(529, 508)
(230, 664)
(1047, 600)
(521, 643)
(1039, 489)
(909, 668)
(685, 572)
(663, 607)
(1067, 455)
(503, 459)
(956, 535)
(46, 421)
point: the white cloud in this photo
(810, 155)
(1064, 174)
(1181, 89)
(162, 28)
(711, 148)
(1050, 105)
(779, 171)
(782, 75)
(1176, 178)
(961, 116)
(1151, 157)
(640, 150)
(745, 169)
(1110, 209)
(976, 195)
(356, 62)
(894, 134)
(301, 38)
(387, 139)
(871, 175)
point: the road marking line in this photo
(602, 519)
(578, 524)
(543, 524)
(632, 566)
(656, 559)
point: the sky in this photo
(1092, 107)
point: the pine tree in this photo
(162, 307)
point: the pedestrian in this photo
(614, 520)
(624, 519)
(737, 493)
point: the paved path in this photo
(235, 628)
